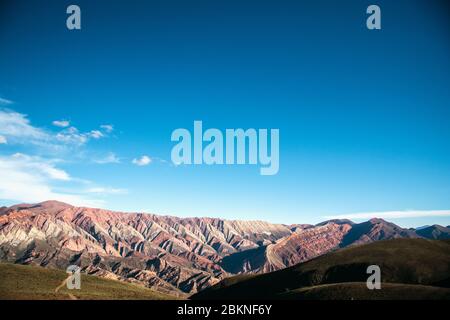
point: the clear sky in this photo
(363, 115)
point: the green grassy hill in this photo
(36, 283)
(409, 267)
(358, 291)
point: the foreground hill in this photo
(172, 255)
(36, 283)
(410, 268)
(358, 291)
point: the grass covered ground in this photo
(409, 268)
(358, 291)
(37, 283)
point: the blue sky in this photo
(363, 115)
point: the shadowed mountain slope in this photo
(435, 232)
(402, 261)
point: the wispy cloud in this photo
(17, 128)
(107, 127)
(96, 134)
(109, 158)
(106, 191)
(142, 161)
(61, 123)
(31, 179)
(5, 102)
(41, 166)
(393, 214)
(71, 135)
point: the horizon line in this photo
(367, 216)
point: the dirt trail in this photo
(63, 283)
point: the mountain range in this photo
(178, 256)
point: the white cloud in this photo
(109, 158)
(393, 214)
(96, 134)
(71, 135)
(41, 166)
(102, 190)
(142, 161)
(5, 102)
(61, 123)
(17, 127)
(107, 127)
(30, 179)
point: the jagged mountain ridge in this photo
(435, 232)
(173, 255)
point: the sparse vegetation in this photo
(36, 283)
(410, 268)
(358, 291)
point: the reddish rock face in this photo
(304, 245)
(169, 254)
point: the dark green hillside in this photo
(358, 291)
(402, 261)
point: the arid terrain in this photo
(18, 282)
(176, 256)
